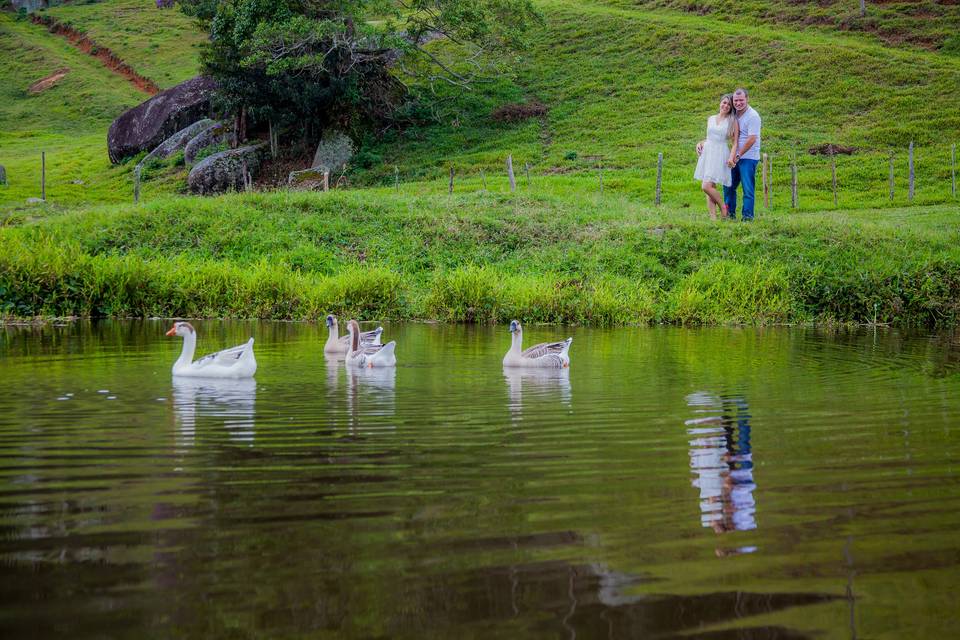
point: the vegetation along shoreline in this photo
(481, 258)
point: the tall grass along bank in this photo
(480, 258)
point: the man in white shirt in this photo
(744, 166)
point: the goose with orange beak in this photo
(235, 362)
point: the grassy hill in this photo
(623, 81)
(68, 121)
(930, 24)
(628, 83)
(160, 44)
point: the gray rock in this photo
(218, 133)
(35, 201)
(3, 174)
(223, 171)
(334, 151)
(307, 179)
(177, 141)
(147, 125)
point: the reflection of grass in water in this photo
(547, 259)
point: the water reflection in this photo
(231, 402)
(546, 383)
(721, 458)
(371, 393)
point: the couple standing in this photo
(731, 167)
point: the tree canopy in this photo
(309, 63)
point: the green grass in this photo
(623, 82)
(629, 83)
(481, 257)
(160, 44)
(922, 23)
(68, 122)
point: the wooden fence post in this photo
(833, 173)
(863, 8)
(891, 177)
(483, 179)
(910, 186)
(451, 182)
(793, 191)
(763, 181)
(659, 177)
(43, 176)
(136, 184)
(953, 170)
(526, 170)
(601, 176)
(513, 181)
(326, 180)
(396, 178)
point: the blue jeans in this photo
(744, 173)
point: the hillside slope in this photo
(68, 120)
(624, 80)
(161, 44)
(628, 83)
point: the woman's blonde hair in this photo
(731, 115)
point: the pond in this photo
(703, 483)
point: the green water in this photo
(716, 483)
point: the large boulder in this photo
(218, 133)
(146, 126)
(333, 152)
(177, 141)
(223, 171)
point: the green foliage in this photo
(312, 62)
(550, 259)
(725, 292)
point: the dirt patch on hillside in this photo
(109, 59)
(45, 83)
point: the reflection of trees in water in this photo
(722, 459)
(550, 384)
(587, 600)
(230, 403)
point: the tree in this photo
(310, 63)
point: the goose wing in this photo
(366, 337)
(226, 357)
(546, 349)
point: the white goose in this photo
(235, 362)
(373, 355)
(340, 345)
(547, 355)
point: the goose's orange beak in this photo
(173, 331)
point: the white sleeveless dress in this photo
(712, 165)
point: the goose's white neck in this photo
(333, 336)
(516, 342)
(186, 355)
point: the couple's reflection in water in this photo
(721, 459)
(551, 384)
(231, 403)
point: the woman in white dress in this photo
(716, 157)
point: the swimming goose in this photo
(340, 345)
(235, 362)
(372, 355)
(551, 355)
